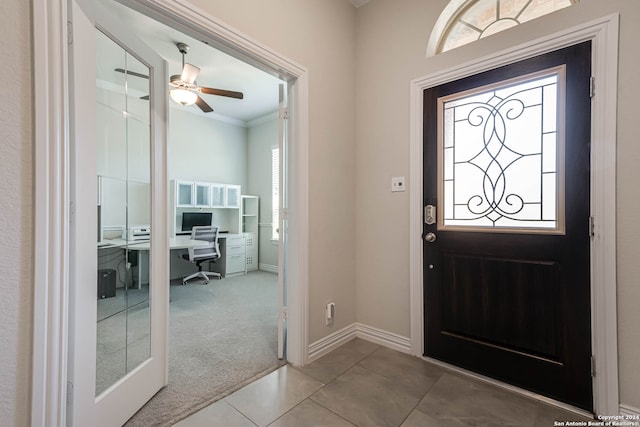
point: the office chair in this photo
(200, 254)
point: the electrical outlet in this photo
(397, 183)
(330, 312)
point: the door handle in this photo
(430, 237)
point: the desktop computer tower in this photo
(106, 283)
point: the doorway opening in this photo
(53, 362)
(223, 332)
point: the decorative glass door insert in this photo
(501, 156)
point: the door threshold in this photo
(509, 387)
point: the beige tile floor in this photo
(363, 384)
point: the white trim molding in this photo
(268, 268)
(51, 223)
(384, 338)
(358, 330)
(269, 117)
(603, 33)
(332, 341)
(629, 410)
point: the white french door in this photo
(118, 324)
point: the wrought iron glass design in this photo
(501, 148)
(480, 18)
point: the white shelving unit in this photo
(218, 196)
(249, 216)
(232, 196)
(202, 193)
(189, 194)
(183, 194)
(223, 200)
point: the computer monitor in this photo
(192, 219)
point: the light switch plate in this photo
(397, 183)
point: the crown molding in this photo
(358, 3)
(263, 119)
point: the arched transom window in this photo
(465, 21)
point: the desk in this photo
(178, 242)
(143, 247)
(231, 261)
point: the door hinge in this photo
(592, 226)
(69, 32)
(283, 313)
(284, 213)
(593, 366)
(284, 114)
(592, 87)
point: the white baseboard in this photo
(268, 267)
(629, 410)
(384, 338)
(331, 342)
(358, 330)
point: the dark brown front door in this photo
(506, 249)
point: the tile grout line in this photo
(302, 401)
(334, 379)
(420, 400)
(239, 411)
(330, 410)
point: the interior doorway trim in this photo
(51, 194)
(193, 21)
(603, 33)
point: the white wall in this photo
(263, 135)
(205, 149)
(320, 35)
(392, 38)
(16, 189)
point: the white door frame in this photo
(51, 222)
(603, 33)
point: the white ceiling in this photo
(217, 69)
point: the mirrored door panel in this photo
(124, 218)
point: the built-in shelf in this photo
(249, 211)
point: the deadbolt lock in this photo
(429, 214)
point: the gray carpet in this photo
(222, 336)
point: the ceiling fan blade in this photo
(203, 105)
(146, 97)
(131, 73)
(221, 92)
(189, 73)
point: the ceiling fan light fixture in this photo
(183, 97)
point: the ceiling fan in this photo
(183, 88)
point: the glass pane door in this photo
(123, 162)
(119, 279)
